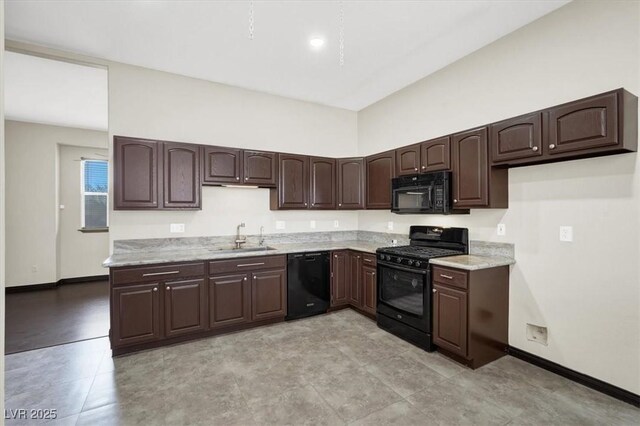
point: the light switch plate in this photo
(336, 224)
(312, 224)
(566, 233)
(280, 224)
(502, 229)
(390, 226)
(176, 227)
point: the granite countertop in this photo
(186, 255)
(473, 262)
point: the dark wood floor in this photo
(69, 313)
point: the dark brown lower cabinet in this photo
(340, 278)
(355, 279)
(268, 295)
(369, 289)
(185, 307)
(450, 319)
(135, 314)
(471, 313)
(229, 300)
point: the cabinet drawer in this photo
(246, 264)
(157, 273)
(368, 259)
(450, 277)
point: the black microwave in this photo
(427, 193)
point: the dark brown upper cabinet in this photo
(475, 184)
(221, 165)
(350, 183)
(408, 160)
(380, 170)
(584, 125)
(293, 185)
(435, 155)
(516, 138)
(135, 173)
(182, 186)
(322, 181)
(260, 168)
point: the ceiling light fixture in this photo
(316, 42)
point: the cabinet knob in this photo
(313, 204)
(424, 167)
(534, 149)
(455, 201)
(168, 288)
(155, 289)
(305, 204)
(339, 204)
(237, 177)
(416, 169)
(246, 178)
(552, 146)
(245, 278)
(335, 255)
(434, 290)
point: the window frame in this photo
(83, 228)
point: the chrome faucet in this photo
(261, 240)
(240, 240)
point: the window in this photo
(95, 198)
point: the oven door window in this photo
(403, 290)
(413, 198)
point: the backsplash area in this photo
(481, 248)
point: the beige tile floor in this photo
(328, 370)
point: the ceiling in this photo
(45, 91)
(387, 44)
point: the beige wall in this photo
(155, 104)
(586, 292)
(32, 197)
(2, 205)
(79, 254)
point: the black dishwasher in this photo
(308, 276)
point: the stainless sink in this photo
(244, 249)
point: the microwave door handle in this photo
(430, 197)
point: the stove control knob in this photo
(382, 257)
(388, 257)
(410, 262)
(418, 263)
(398, 259)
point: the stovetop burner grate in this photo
(418, 251)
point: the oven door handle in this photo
(402, 268)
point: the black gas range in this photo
(404, 281)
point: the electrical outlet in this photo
(566, 233)
(61, 206)
(312, 224)
(390, 226)
(176, 227)
(537, 333)
(280, 224)
(394, 243)
(502, 229)
(336, 224)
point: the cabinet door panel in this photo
(516, 138)
(350, 183)
(260, 168)
(380, 171)
(340, 275)
(408, 160)
(436, 155)
(185, 307)
(470, 169)
(268, 295)
(369, 295)
(221, 165)
(582, 125)
(355, 281)
(293, 187)
(322, 183)
(229, 300)
(181, 175)
(135, 173)
(450, 319)
(135, 315)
